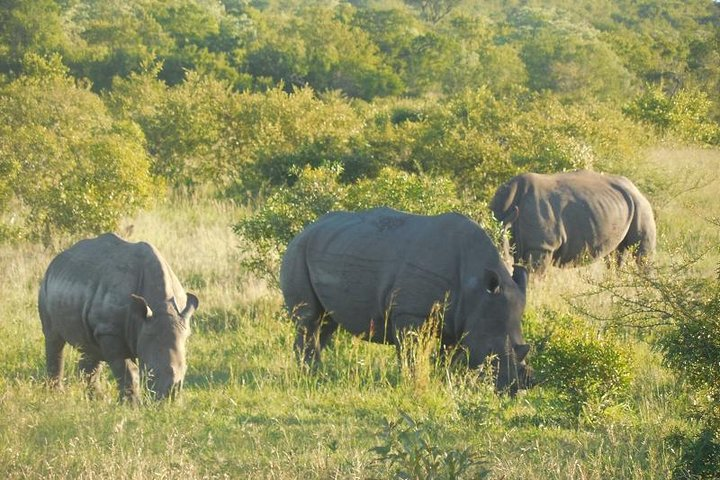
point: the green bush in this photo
(683, 314)
(586, 367)
(412, 451)
(284, 214)
(69, 166)
(685, 114)
(481, 139)
(692, 347)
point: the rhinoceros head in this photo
(493, 328)
(161, 343)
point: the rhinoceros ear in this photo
(521, 351)
(190, 307)
(510, 217)
(491, 282)
(520, 275)
(140, 307)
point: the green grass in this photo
(248, 411)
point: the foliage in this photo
(286, 213)
(411, 449)
(482, 139)
(587, 368)
(28, 28)
(72, 167)
(317, 46)
(692, 347)
(684, 114)
(684, 313)
(566, 56)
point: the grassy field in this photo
(248, 411)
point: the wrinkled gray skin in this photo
(561, 219)
(379, 272)
(116, 302)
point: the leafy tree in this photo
(28, 27)
(684, 114)
(205, 39)
(566, 56)
(70, 167)
(114, 39)
(319, 47)
(478, 60)
(276, 133)
(187, 130)
(434, 10)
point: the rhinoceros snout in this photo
(169, 392)
(521, 377)
(526, 376)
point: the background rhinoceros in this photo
(379, 272)
(116, 302)
(562, 218)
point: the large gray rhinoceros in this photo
(560, 219)
(379, 272)
(116, 302)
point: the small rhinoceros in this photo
(560, 219)
(116, 301)
(379, 272)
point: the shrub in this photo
(70, 167)
(684, 114)
(411, 448)
(692, 347)
(585, 366)
(683, 313)
(286, 213)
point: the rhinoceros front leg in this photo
(54, 345)
(539, 260)
(126, 373)
(90, 368)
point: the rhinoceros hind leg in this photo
(54, 345)
(314, 332)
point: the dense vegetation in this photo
(194, 119)
(242, 93)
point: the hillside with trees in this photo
(240, 94)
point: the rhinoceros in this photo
(565, 218)
(379, 272)
(117, 302)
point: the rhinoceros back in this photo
(369, 265)
(91, 282)
(574, 213)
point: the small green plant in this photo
(588, 368)
(411, 450)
